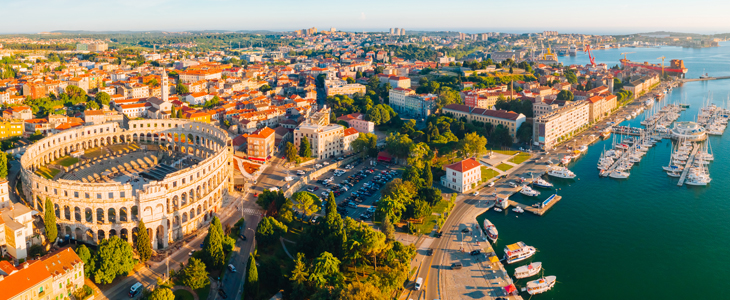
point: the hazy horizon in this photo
(617, 17)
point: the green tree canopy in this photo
(113, 259)
(269, 230)
(305, 149)
(162, 293)
(143, 246)
(251, 288)
(89, 261)
(213, 245)
(49, 219)
(194, 274)
(103, 98)
(3, 165)
(565, 95)
(473, 144)
(291, 152)
(306, 202)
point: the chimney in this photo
(26, 265)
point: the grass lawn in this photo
(520, 158)
(202, 292)
(48, 173)
(95, 152)
(430, 221)
(488, 173)
(504, 167)
(67, 161)
(183, 295)
(506, 152)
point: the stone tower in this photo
(165, 88)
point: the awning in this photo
(510, 289)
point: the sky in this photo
(471, 16)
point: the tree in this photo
(181, 88)
(419, 154)
(325, 270)
(3, 165)
(473, 144)
(306, 202)
(305, 149)
(291, 152)
(89, 262)
(92, 105)
(427, 175)
(213, 245)
(388, 229)
(524, 133)
(49, 219)
(144, 247)
(194, 274)
(391, 208)
(298, 277)
(361, 291)
(398, 145)
(103, 98)
(269, 230)
(173, 113)
(265, 88)
(113, 259)
(162, 293)
(252, 279)
(565, 95)
(570, 76)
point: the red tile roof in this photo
(26, 277)
(351, 131)
(464, 165)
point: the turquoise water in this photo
(643, 237)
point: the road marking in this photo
(252, 211)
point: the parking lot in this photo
(356, 187)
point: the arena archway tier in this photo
(171, 174)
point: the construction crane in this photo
(662, 58)
(587, 48)
(624, 54)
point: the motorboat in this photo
(583, 148)
(561, 172)
(497, 209)
(518, 252)
(674, 174)
(518, 210)
(491, 230)
(541, 183)
(528, 191)
(528, 270)
(673, 168)
(619, 175)
(541, 285)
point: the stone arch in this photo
(135, 213)
(123, 214)
(199, 209)
(100, 215)
(159, 209)
(67, 212)
(79, 234)
(192, 195)
(176, 221)
(175, 203)
(89, 236)
(124, 234)
(100, 235)
(183, 199)
(147, 212)
(192, 213)
(112, 232)
(89, 215)
(77, 214)
(57, 209)
(184, 217)
(135, 232)
(112, 216)
(160, 236)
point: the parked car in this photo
(231, 268)
(476, 252)
(222, 293)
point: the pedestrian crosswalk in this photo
(252, 211)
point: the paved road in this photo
(233, 282)
(13, 176)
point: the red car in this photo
(255, 194)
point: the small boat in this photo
(497, 209)
(674, 174)
(541, 285)
(583, 148)
(518, 210)
(542, 183)
(491, 230)
(619, 175)
(528, 270)
(528, 191)
(518, 252)
(561, 172)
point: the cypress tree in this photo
(251, 290)
(305, 149)
(143, 246)
(3, 166)
(213, 245)
(172, 113)
(427, 175)
(49, 220)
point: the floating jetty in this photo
(688, 165)
(539, 208)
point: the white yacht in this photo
(491, 230)
(674, 174)
(528, 191)
(560, 172)
(518, 252)
(542, 183)
(518, 209)
(619, 175)
(541, 285)
(528, 270)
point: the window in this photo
(87, 195)
(121, 194)
(111, 195)
(76, 194)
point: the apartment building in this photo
(508, 119)
(358, 122)
(96, 117)
(548, 129)
(462, 176)
(642, 84)
(198, 75)
(29, 281)
(10, 129)
(325, 139)
(481, 98)
(351, 134)
(341, 88)
(261, 144)
(134, 110)
(67, 272)
(600, 107)
(408, 103)
(21, 112)
(16, 226)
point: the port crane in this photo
(662, 58)
(587, 48)
(624, 54)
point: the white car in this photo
(317, 166)
(300, 172)
(476, 193)
(326, 163)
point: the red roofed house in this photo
(30, 280)
(261, 144)
(351, 134)
(357, 121)
(462, 176)
(600, 107)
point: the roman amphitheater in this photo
(103, 179)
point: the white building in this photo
(326, 140)
(462, 176)
(16, 226)
(551, 127)
(408, 103)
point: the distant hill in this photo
(670, 33)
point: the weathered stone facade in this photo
(181, 203)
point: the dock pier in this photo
(688, 165)
(615, 164)
(543, 207)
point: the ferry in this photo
(491, 230)
(541, 285)
(542, 184)
(528, 270)
(606, 134)
(518, 252)
(561, 172)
